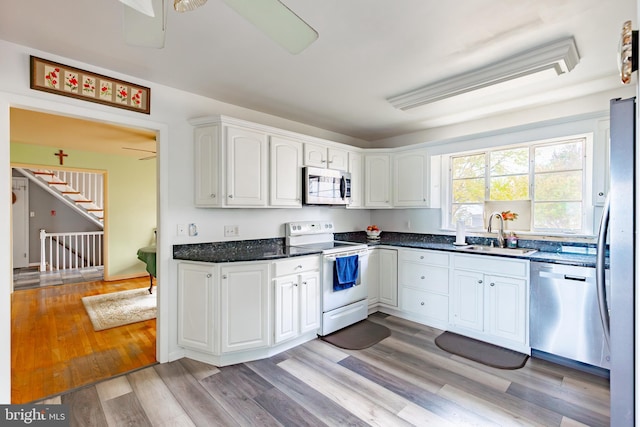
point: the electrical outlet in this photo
(231, 231)
(181, 230)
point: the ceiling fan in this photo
(144, 21)
(153, 156)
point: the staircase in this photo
(83, 191)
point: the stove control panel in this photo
(302, 228)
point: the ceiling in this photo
(367, 51)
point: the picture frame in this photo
(53, 77)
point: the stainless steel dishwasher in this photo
(564, 316)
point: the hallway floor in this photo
(31, 277)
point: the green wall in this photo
(131, 200)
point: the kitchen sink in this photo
(479, 249)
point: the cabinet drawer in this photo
(295, 265)
(426, 277)
(425, 257)
(492, 265)
(426, 304)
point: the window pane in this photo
(509, 162)
(468, 190)
(561, 216)
(468, 166)
(557, 157)
(472, 215)
(515, 187)
(559, 186)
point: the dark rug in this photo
(358, 336)
(481, 352)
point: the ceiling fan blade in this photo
(277, 21)
(139, 149)
(147, 158)
(142, 30)
(142, 6)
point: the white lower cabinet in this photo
(424, 285)
(244, 306)
(296, 297)
(490, 300)
(382, 277)
(197, 324)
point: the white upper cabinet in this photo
(207, 166)
(356, 169)
(247, 163)
(285, 172)
(411, 179)
(322, 156)
(377, 181)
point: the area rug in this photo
(481, 352)
(358, 336)
(120, 308)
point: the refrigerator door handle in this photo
(600, 270)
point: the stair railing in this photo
(61, 251)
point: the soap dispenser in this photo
(512, 241)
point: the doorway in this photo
(36, 154)
(20, 209)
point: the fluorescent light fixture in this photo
(142, 6)
(554, 58)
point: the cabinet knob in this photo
(224, 276)
(421, 256)
(295, 284)
(601, 194)
(422, 303)
(492, 284)
(209, 276)
(304, 283)
(213, 195)
(479, 281)
(231, 196)
(323, 161)
(422, 277)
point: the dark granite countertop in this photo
(270, 249)
(242, 250)
(551, 252)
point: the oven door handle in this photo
(343, 187)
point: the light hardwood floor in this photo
(55, 349)
(403, 380)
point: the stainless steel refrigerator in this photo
(618, 228)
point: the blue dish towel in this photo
(345, 272)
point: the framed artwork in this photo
(52, 77)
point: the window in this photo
(551, 175)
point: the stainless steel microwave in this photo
(326, 186)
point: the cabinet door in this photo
(246, 167)
(505, 307)
(196, 324)
(388, 273)
(411, 179)
(357, 177)
(309, 301)
(286, 308)
(372, 276)
(286, 173)
(468, 299)
(244, 307)
(337, 159)
(377, 189)
(207, 166)
(315, 155)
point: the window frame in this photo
(587, 183)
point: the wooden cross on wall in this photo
(61, 155)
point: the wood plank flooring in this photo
(403, 380)
(54, 346)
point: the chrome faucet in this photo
(500, 231)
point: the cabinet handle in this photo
(323, 161)
(422, 303)
(231, 196)
(209, 276)
(492, 284)
(479, 281)
(297, 267)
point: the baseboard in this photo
(125, 277)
